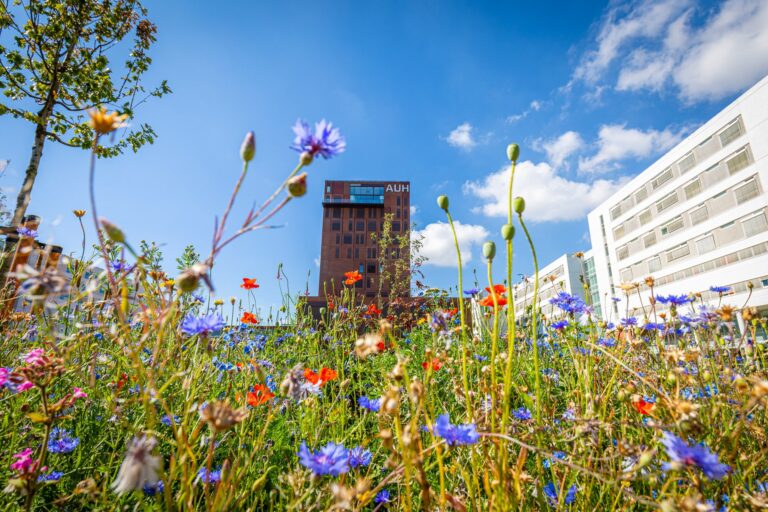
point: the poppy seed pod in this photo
(187, 281)
(297, 186)
(507, 231)
(113, 232)
(518, 204)
(489, 250)
(513, 151)
(442, 202)
(248, 149)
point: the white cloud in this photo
(438, 245)
(461, 137)
(702, 54)
(617, 142)
(317, 262)
(414, 210)
(559, 149)
(549, 197)
(535, 106)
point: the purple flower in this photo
(204, 325)
(53, 476)
(372, 405)
(568, 303)
(627, 322)
(455, 434)
(522, 414)
(213, 477)
(569, 414)
(720, 289)
(61, 442)
(156, 488)
(559, 326)
(674, 300)
(331, 459)
(327, 141)
(551, 493)
(121, 266)
(31, 233)
(359, 457)
(472, 292)
(382, 497)
(697, 455)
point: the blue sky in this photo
(426, 91)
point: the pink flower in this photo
(79, 393)
(35, 357)
(25, 462)
(4, 376)
(24, 386)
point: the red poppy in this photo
(249, 284)
(436, 364)
(381, 347)
(259, 395)
(331, 305)
(451, 312)
(326, 374)
(497, 288)
(373, 310)
(248, 318)
(488, 301)
(642, 406)
(311, 376)
(352, 277)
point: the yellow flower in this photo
(169, 283)
(103, 122)
(78, 213)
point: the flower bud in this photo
(513, 151)
(248, 149)
(187, 281)
(518, 204)
(297, 186)
(113, 232)
(442, 202)
(78, 213)
(507, 231)
(305, 158)
(489, 250)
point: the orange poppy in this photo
(497, 288)
(373, 310)
(311, 376)
(249, 284)
(327, 374)
(488, 301)
(248, 318)
(259, 395)
(331, 305)
(436, 364)
(642, 406)
(352, 277)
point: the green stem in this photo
(534, 333)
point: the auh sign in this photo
(398, 187)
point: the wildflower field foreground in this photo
(150, 400)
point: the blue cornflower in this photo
(168, 421)
(204, 325)
(53, 476)
(157, 488)
(522, 414)
(569, 414)
(627, 322)
(372, 405)
(558, 455)
(327, 141)
(359, 457)
(552, 495)
(481, 357)
(61, 442)
(213, 477)
(607, 342)
(551, 373)
(568, 303)
(720, 289)
(653, 326)
(118, 266)
(697, 455)
(455, 434)
(558, 326)
(26, 232)
(382, 497)
(331, 459)
(471, 292)
(674, 300)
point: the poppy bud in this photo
(513, 151)
(78, 213)
(518, 204)
(442, 202)
(305, 158)
(113, 232)
(489, 250)
(297, 186)
(248, 149)
(507, 231)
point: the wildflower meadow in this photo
(160, 396)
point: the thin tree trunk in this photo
(25, 194)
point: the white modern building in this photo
(695, 218)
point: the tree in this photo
(56, 66)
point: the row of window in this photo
(748, 226)
(360, 225)
(720, 202)
(716, 173)
(725, 136)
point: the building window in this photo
(618, 232)
(337, 238)
(731, 133)
(622, 252)
(327, 213)
(755, 225)
(395, 226)
(706, 244)
(398, 201)
(678, 252)
(692, 188)
(337, 213)
(349, 226)
(699, 215)
(357, 253)
(661, 179)
(361, 268)
(641, 195)
(371, 225)
(666, 202)
(337, 252)
(672, 226)
(649, 239)
(654, 264)
(347, 239)
(360, 213)
(336, 226)
(686, 163)
(371, 268)
(645, 216)
(360, 225)
(738, 162)
(372, 213)
(349, 253)
(615, 211)
(746, 192)
(626, 275)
